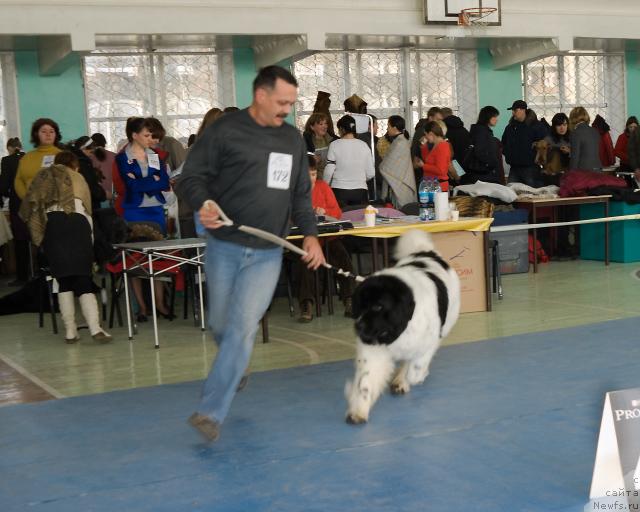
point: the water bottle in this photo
(431, 199)
(423, 198)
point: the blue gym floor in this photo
(503, 425)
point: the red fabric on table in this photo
(158, 264)
(577, 183)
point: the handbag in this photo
(470, 162)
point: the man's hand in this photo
(315, 256)
(209, 216)
(320, 211)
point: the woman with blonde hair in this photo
(585, 142)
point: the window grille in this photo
(178, 88)
(402, 82)
(594, 81)
(9, 124)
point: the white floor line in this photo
(314, 357)
(26, 373)
(320, 336)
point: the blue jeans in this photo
(240, 285)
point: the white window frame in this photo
(152, 100)
(10, 122)
(410, 108)
(614, 100)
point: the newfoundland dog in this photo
(402, 314)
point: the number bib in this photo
(279, 171)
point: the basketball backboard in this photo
(446, 12)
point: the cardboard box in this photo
(464, 251)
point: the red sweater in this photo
(323, 197)
(621, 148)
(436, 163)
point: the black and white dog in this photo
(402, 314)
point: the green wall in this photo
(632, 83)
(60, 98)
(245, 71)
(498, 88)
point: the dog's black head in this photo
(382, 307)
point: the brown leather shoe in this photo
(208, 428)
(306, 311)
(102, 337)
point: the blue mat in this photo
(502, 425)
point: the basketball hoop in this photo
(475, 16)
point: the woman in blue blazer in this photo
(144, 176)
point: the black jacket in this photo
(485, 148)
(8, 171)
(90, 175)
(458, 136)
(517, 141)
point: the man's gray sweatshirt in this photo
(258, 175)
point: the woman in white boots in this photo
(57, 209)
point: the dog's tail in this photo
(413, 241)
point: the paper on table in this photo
(459, 170)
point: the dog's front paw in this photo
(355, 419)
(399, 388)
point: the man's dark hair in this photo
(267, 77)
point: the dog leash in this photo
(270, 237)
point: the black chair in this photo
(46, 285)
(496, 276)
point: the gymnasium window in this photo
(177, 87)
(594, 81)
(402, 82)
(9, 125)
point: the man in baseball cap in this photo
(517, 141)
(519, 105)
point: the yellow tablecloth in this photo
(397, 227)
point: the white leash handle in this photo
(270, 237)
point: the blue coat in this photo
(138, 187)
